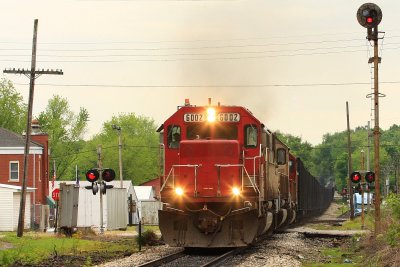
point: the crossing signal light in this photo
(355, 177)
(369, 15)
(370, 177)
(92, 175)
(108, 175)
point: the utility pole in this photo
(362, 189)
(374, 36)
(349, 164)
(32, 74)
(118, 128)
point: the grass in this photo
(34, 248)
(336, 257)
(153, 228)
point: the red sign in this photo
(56, 194)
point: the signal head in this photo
(370, 177)
(108, 175)
(92, 175)
(355, 177)
(369, 15)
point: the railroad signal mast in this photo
(98, 177)
(369, 16)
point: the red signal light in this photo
(92, 175)
(370, 20)
(355, 177)
(108, 175)
(370, 177)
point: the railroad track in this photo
(188, 258)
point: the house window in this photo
(14, 170)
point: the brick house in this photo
(12, 162)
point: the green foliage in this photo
(65, 131)
(392, 234)
(140, 153)
(301, 149)
(32, 248)
(13, 112)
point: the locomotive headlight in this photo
(211, 115)
(236, 191)
(179, 191)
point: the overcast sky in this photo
(294, 64)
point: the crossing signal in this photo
(369, 15)
(108, 175)
(92, 175)
(370, 177)
(355, 177)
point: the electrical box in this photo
(68, 205)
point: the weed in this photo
(148, 237)
(88, 261)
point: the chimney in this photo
(36, 127)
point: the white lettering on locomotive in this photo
(222, 117)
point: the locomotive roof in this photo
(186, 108)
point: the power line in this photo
(209, 85)
(197, 54)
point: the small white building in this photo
(148, 204)
(89, 204)
(10, 198)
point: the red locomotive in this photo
(227, 178)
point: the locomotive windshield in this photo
(216, 131)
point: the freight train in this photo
(227, 179)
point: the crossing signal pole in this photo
(369, 16)
(32, 74)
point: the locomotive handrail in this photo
(254, 160)
(243, 168)
(172, 170)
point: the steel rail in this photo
(164, 260)
(218, 260)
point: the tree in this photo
(299, 148)
(13, 111)
(140, 154)
(65, 130)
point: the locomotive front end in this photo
(209, 198)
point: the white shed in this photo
(89, 204)
(10, 198)
(148, 205)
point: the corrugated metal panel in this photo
(149, 212)
(89, 204)
(68, 207)
(89, 208)
(6, 209)
(117, 209)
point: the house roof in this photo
(11, 139)
(16, 187)
(155, 183)
(144, 192)
(125, 183)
